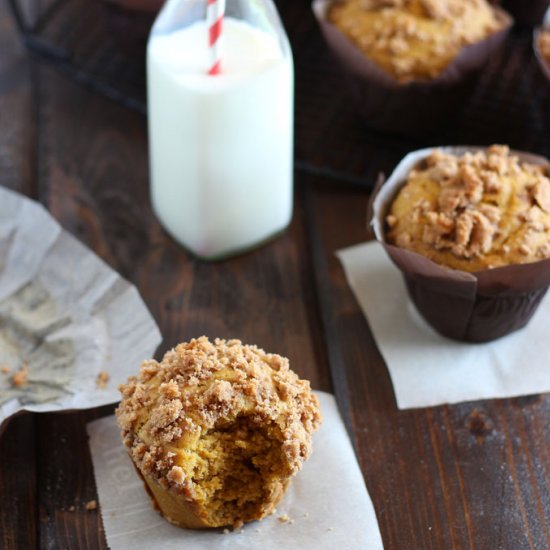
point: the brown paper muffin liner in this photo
(544, 64)
(526, 13)
(471, 307)
(414, 108)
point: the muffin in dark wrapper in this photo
(408, 108)
(469, 306)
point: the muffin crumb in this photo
(91, 505)
(102, 378)
(20, 378)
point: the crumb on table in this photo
(91, 505)
(4, 369)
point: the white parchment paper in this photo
(427, 369)
(327, 502)
(65, 316)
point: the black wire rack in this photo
(75, 37)
(511, 103)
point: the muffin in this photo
(414, 39)
(469, 229)
(217, 430)
(475, 211)
(411, 64)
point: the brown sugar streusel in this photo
(474, 211)
(414, 39)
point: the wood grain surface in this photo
(474, 475)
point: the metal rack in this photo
(510, 105)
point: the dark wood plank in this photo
(17, 112)
(474, 475)
(66, 482)
(18, 518)
(18, 524)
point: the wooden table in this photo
(474, 475)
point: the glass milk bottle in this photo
(220, 145)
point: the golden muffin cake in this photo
(217, 430)
(414, 39)
(475, 211)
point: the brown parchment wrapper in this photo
(543, 63)
(472, 307)
(526, 13)
(416, 107)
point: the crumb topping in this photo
(414, 39)
(481, 209)
(206, 398)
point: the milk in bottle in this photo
(221, 146)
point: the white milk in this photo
(220, 146)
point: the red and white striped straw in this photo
(215, 10)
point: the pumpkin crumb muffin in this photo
(475, 211)
(217, 430)
(414, 39)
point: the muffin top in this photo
(202, 390)
(475, 211)
(414, 39)
(544, 44)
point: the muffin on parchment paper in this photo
(217, 430)
(470, 230)
(411, 64)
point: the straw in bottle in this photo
(215, 10)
